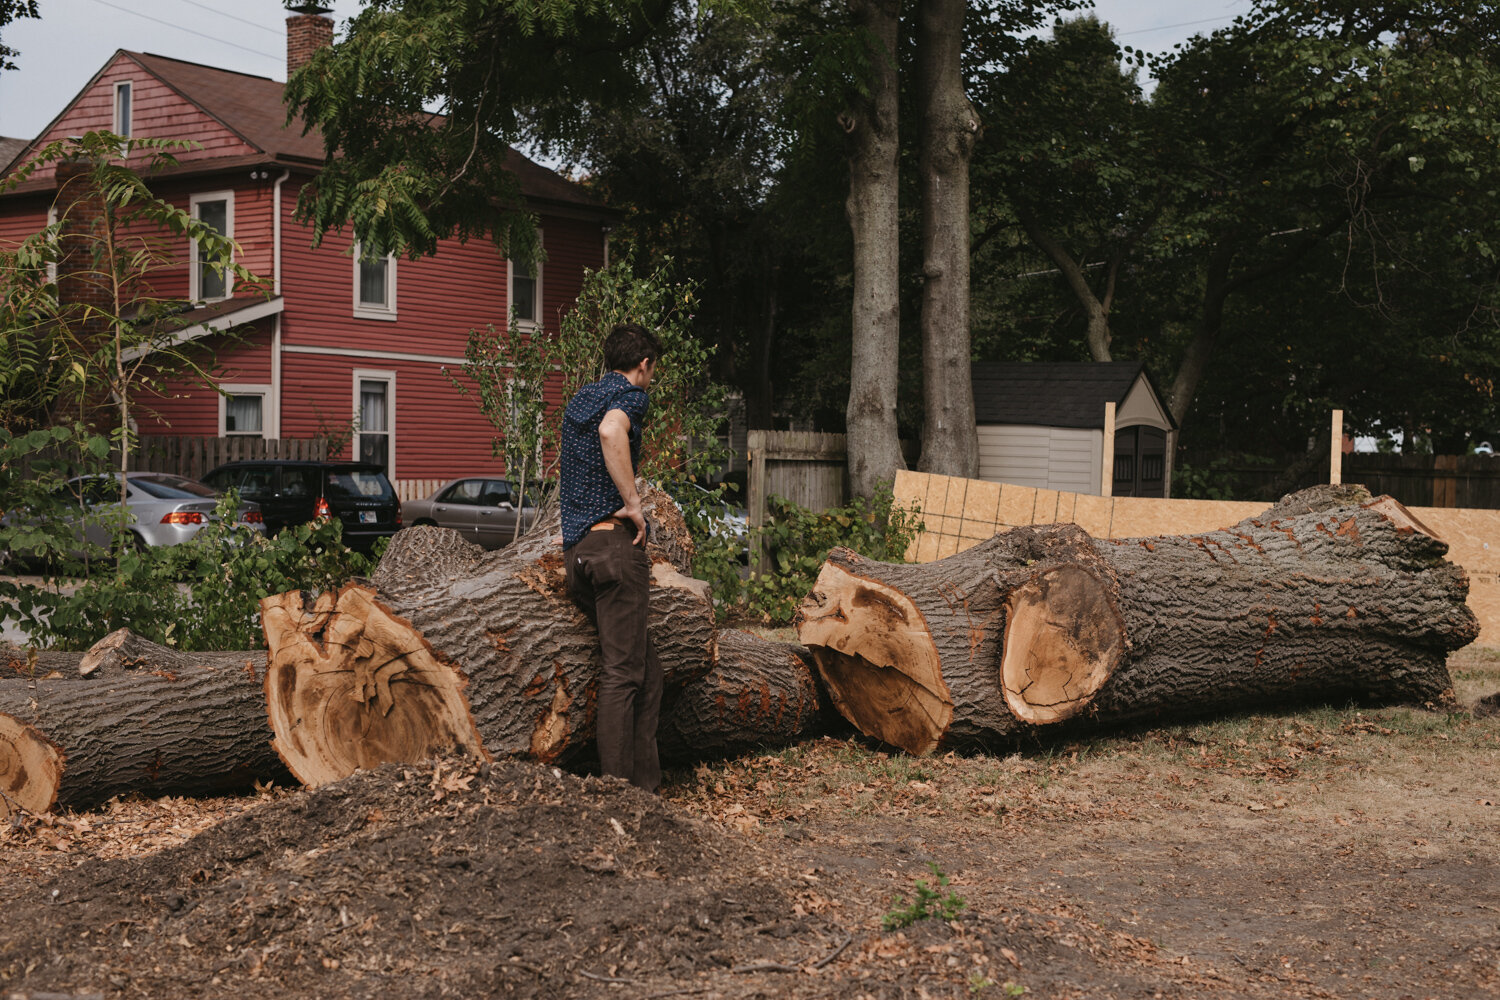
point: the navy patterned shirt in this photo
(586, 493)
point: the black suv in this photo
(357, 493)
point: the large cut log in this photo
(759, 694)
(1329, 594)
(496, 631)
(176, 724)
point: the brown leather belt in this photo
(610, 523)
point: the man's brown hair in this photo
(627, 345)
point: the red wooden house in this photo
(337, 337)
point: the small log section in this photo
(759, 694)
(1328, 594)
(495, 631)
(170, 723)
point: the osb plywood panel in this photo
(960, 512)
(1473, 538)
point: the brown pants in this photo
(610, 579)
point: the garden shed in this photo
(1059, 425)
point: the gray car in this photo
(160, 508)
(481, 508)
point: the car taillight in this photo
(322, 510)
(398, 517)
(182, 517)
(253, 517)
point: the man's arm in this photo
(614, 439)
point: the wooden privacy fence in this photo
(806, 467)
(194, 456)
(1471, 481)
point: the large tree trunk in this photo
(874, 447)
(759, 694)
(950, 126)
(1328, 594)
(173, 723)
(452, 641)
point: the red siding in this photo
(439, 434)
(21, 219)
(158, 112)
(187, 406)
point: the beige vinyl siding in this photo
(1054, 458)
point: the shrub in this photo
(796, 542)
(201, 595)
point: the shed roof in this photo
(1056, 394)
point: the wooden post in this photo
(1336, 451)
(1107, 467)
(756, 501)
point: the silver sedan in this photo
(159, 509)
(481, 508)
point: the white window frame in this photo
(363, 310)
(245, 389)
(510, 293)
(125, 88)
(52, 264)
(194, 275)
(389, 378)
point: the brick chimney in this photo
(307, 31)
(80, 206)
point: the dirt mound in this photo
(435, 880)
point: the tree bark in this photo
(178, 724)
(1328, 594)
(759, 694)
(449, 641)
(873, 442)
(950, 126)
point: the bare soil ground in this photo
(1325, 852)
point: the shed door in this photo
(1140, 462)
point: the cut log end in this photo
(877, 656)
(1063, 639)
(30, 769)
(1400, 517)
(352, 685)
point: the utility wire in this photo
(220, 13)
(1169, 27)
(190, 31)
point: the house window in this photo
(243, 410)
(525, 293)
(122, 108)
(215, 210)
(375, 406)
(374, 286)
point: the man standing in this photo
(604, 549)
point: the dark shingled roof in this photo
(251, 108)
(11, 148)
(1052, 394)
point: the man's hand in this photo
(635, 516)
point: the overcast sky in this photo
(73, 38)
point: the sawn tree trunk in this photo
(450, 645)
(160, 722)
(1328, 594)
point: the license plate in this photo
(367, 517)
